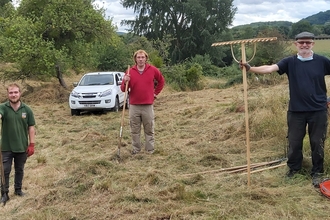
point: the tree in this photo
(326, 28)
(6, 9)
(299, 27)
(63, 33)
(193, 24)
(33, 57)
(271, 52)
(4, 2)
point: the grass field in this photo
(75, 173)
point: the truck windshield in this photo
(101, 79)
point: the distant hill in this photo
(121, 33)
(320, 18)
(267, 23)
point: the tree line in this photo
(45, 39)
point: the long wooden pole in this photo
(3, 182)
(236, 168)
(247, 130)
(267, 168)
(123, 116)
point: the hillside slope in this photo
(75, 173)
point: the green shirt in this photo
(14, 129)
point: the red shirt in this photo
(142, 87)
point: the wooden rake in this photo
(243, 58)
(3, 182)
(122, 117)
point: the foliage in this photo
(6, 9)
(184, 76)
(34, 57)
(4, 2)
(193, 24)
(155, 59)
(48, 34)
(115, 56)
(205, 61)
(326, 28)
(271, 52)
(300, 26)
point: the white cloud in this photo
(281, 10)
(248, 11)
(116, 12)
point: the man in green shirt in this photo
(17, 139)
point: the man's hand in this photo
(30, 150)
(246, 65)
(127, 78)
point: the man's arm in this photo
(160, 82)
(260, 69)
(32, 134)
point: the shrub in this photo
(205, 62)
(184, 77)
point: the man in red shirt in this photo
(141, 79)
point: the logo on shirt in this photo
(23, 115)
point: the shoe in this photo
(19, 193)
(4, 198)
(291, 173)
(135, 152)
(150, 151)
(316, 179)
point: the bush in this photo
(205, 62)
(184, 77)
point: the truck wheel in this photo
(116, 108)
(75, 112)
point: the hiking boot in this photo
(4, 198)
(150, 151)
(291, 173)
(19, 193)
(135, 152)
(316, 179)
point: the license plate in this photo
(89, 105)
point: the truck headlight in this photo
(105, 93)
(75, 94)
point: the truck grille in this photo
(90, 102)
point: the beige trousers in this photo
(142, 115)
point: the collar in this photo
(8, 105)
(305, 58)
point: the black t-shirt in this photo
(307, 85)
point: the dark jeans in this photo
(317, 128)
(19, 162)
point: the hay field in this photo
(75, 173)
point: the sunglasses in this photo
(304, 42)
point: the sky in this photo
(248, 11)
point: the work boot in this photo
(4, 197)
(19, 193)
(317, 179)
(291, 173)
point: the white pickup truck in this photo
(98, 91)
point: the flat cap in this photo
(305, 35)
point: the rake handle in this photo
(123, 115)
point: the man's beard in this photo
(13, 101)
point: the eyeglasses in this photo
(305, 42)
